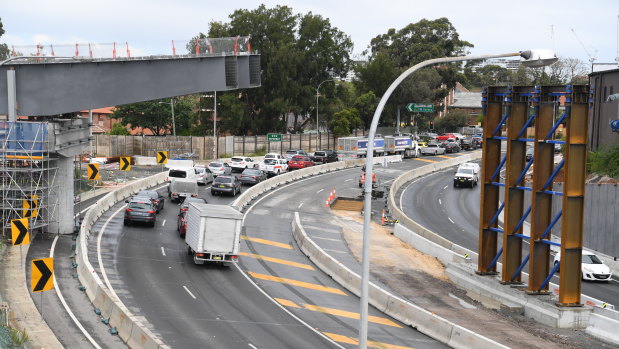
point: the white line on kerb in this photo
(191, 294)
(319, 191)
(163, 223)
(451, 220)
(162, 251)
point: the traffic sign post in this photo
(420, 108)
(93, 172)
(274, 137)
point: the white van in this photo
(182, 172)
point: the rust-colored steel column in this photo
(491, 158)
(573, 196)
(514, 197)
(541, 201)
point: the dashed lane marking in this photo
(301, 204)
(266, 242)
(191, 294)
(163, 223)
(162, 251)
(451, 220)
(439, 202)
(297, 283)
(445, 187)
(337, 312)
(277, 260)
(372, 344)
(319, 191)
(426, 160)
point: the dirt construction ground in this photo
(422, 280)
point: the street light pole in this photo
(173, 121)
(317, 127)
(532, 58)
(215, 125)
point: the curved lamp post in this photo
(532, 58)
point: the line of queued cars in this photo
(449, 143)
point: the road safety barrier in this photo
(408, 313)
(129, 328)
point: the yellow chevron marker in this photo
(266, 242)
(343, 339)
(287, 303)
(297, 283)
(426, 160)
(277, 260)
(336, 312)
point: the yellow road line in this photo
(350, 315)
(426, 160)
(287, 303)
(277, 260)
(297, 283)
(266, 242)
(447, 157)
(348, 340)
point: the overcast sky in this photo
(492, 26)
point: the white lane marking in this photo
(348, 180)
(162, 251)
(82, 211)
(451, 220)
(439, 202)
(191, 294)
(445, 187)
(66, 306)
(100, 258)
(301, 204)
(252, 346)
(163, 223)
(319, 191)
(404, 191)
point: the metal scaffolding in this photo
(509, 113)
(27, 174)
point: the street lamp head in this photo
(538, 58)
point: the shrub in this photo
(604, 161)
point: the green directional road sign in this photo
(274, 137)
(420, 108)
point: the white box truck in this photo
(401, 145)
(213, 233)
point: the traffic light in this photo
(431, 125)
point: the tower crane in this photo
(592, 57)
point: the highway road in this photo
(454, 214)
(293, 305)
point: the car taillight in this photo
(194, 195)
(128, 210)
(156, 201)
(221, 169)
(254, 177)
(184, 208)
(234, 257)
(167, 179)
(185, 225)
(150, 212)
(200, 254)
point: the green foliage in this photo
(19, 337)
(452, 121)
(366, 105)
(259, 152)
(604, 161)
(119, 130)
(487, 75)
(4, 49)
(345, 121)
(156, 115)
(225, 156)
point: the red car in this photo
(446, 136)
(299, 161)
(182, 223)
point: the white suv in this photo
(239, 163)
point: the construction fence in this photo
(202, 148)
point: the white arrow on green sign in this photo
(420, 108)
(274, 137)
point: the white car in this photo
(274, 167)
(472, 165)
(465, 176)
(240, 163)
(592, 268)
(432, 149)
(220, 168)
(205, 175)
(274, 156)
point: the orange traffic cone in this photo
(327, 204)
(382, 219)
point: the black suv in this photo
(324, 156)
(140, 209)
(154, 195)
(226, 185)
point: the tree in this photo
(452, 121)
(4, 49)
(366, 105)
(155, 116)
(345, 121)
(119, 130)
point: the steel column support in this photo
(491, 158)
(514, 197)
(573, 196)
(11, 89)
(541, 203)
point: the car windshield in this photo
(269, 156)
(249, 172)
(215, 164)
(465, 171)
(590, 259)
(178, 174)
(291, 152)
(139, 205)
(223, 180)
(319, 153)
(147, 193)
(237, 159)
(270, 161)
(297, 158)
(200, 170)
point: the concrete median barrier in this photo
(410, 314)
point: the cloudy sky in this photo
(492, 26)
